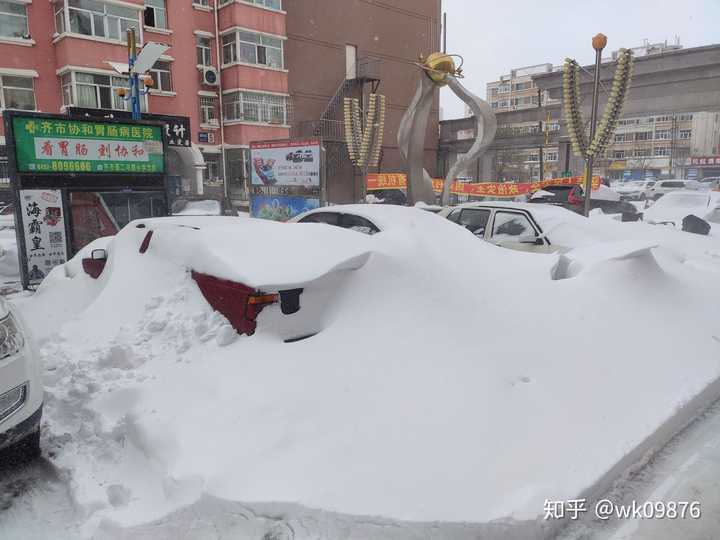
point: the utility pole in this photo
(444, 25)
(134, 79)
(598, 42)
(540, 132)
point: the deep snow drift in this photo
(455, 380)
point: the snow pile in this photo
(200, 208)
(9, 263)
(456, 381)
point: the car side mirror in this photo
(531, 239)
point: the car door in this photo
(515, 230)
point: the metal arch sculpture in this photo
(439, 70)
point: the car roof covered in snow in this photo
(384, 216)
(256, 252)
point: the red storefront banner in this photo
(377, 181)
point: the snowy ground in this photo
(36, 498)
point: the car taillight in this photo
(256, 303)
(574, 199)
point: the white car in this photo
(636, 190)
(21, 390)
(662, 187)
(364, 218)
(673, 207)
(543, 228)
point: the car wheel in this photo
(30, 446)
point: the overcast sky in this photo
(495, 37)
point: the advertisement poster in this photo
(280, 208)
(43, 228)
(285, 163)
(45, 145)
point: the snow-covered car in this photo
(673, 207)
(635, 190)
(573, 198)
(21, 389)
(263, 277)
(364, 218)
(540, 228)
(663, 187)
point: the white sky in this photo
(495, 37)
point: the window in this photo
(684, 133)
(256, 107)
(95, 18)
(17, 93)
(494, 104)
(358, 223)
(662, 134)
(205, 3)
(213, 168)
(685, 117)
(510, 226)
(642, 152)
(661, 151)
(643, 135)
(13, 20)
(552, 155)
(534, 158)
(620, 137)
(208, 110)
(522, 86)
(330, 218)
(504, 88)
(252, 48)
(161, 75)
(204, 51)
(155, 13)
(666, 118)
(270, 4)
(618, 154)
(494, 91)
(95, 91)
(474, 220)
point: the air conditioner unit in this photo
(210, 76)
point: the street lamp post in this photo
(598, 42)
(134, 79)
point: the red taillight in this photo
(574, 199)
(239, 303)
(256, 303)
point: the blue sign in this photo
(203, 137)
(280, 207)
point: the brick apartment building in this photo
(270, 55)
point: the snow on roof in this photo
(385, 216)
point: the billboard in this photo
(42, 232)
(285, 163)
(280, 207)
(54, 145)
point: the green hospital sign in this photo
(46, 145)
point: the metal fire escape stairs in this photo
(331, 126)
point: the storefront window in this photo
(97, 214)
(238, 172)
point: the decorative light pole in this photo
(364, 139)
(597, 143)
